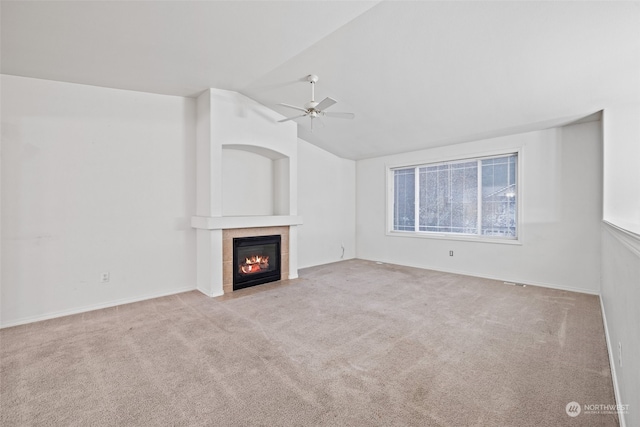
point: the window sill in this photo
(440, 236)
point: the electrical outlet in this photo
(104, 277)
(619, 354)
(450, 253)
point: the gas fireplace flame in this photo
(254, 264)
(256, 259)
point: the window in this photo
(466, 197)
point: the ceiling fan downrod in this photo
(313, 79)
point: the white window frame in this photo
(390, 168)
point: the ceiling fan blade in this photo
(340, 115)
(325, 103)
(294, 107)
(291, 118)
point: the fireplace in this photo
(227, 135)
(256, 260)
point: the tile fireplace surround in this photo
(227, 251)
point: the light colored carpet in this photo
(348, 344)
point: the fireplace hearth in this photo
(256, 260)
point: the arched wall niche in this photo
(255, 181)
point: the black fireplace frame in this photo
(240, 281)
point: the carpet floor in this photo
(353, 343)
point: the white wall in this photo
(621, 127)
(94, 180)
(561, 211)
(247, 183)
(620, 291)
(621, 299)
(326, 201)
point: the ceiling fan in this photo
(313, 109)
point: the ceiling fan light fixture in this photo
(313, 109)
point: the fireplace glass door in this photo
(256, 260)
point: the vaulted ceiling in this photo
(417, 74)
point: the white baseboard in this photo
(501, 279)
(92, 307)
(612, 364)
(210, 294)
(540, 284)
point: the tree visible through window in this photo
(472, 196)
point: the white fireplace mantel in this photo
(229, 222)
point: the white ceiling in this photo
(417, 74)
